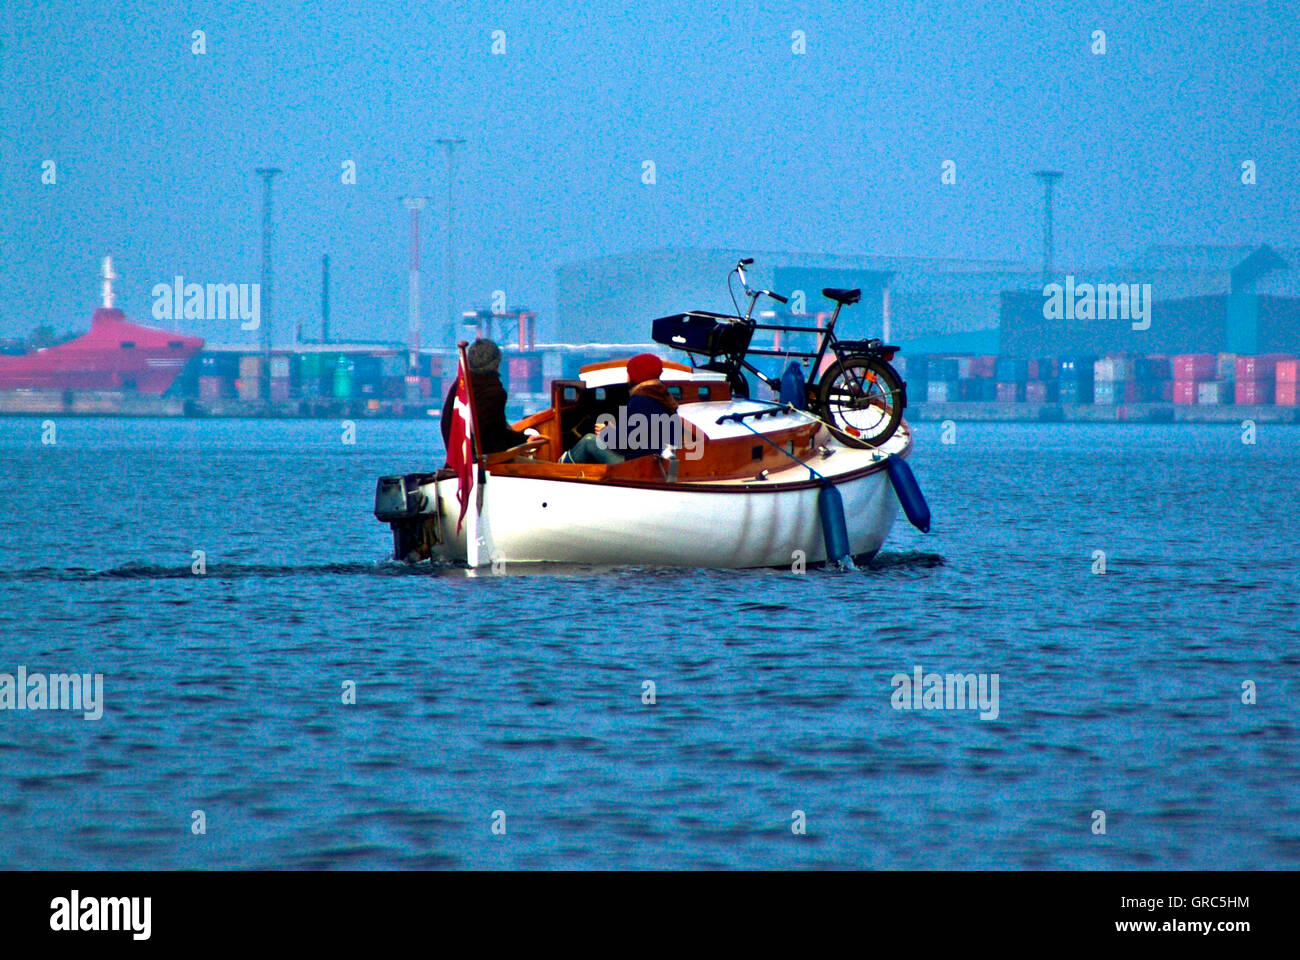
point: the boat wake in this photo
(902, 561)
(215, 571)
(393, 568)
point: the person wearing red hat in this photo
(649, 417)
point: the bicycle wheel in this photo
(863, 396)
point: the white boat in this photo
(757, 487)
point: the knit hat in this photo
(484, 356)
(643, 367)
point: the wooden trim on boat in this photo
(610, 364)
(651, 479)
(699, 486)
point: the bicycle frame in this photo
(825, 338)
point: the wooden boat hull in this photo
(729, 524)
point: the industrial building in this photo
(1242, 299)
(930, 304)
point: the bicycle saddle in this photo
(843, 297)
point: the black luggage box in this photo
(708, 334)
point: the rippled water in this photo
(522, 693)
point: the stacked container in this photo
(1255, 378)
(1076, 379)
(1190, 370)
(525, 373)
(944, 379)
(341, 378)
(1011, 374)
(1285, 390)
(1113, 381)
(249, 384)
(1213, 392)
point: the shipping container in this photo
(315, 387)
(1285, 371)
(1213, 392)
(1076, 391)
(1194, 366)
(215, 388)
(942, 391)
(280, 389)
(983, 367)
(1225, 366)
(525, 374)
(1152, 368)
(280, 368)
(1110, 392)
(1185, 391)
(1285, 394)
(1263, 367)
(1077, 368)
(393, 388)
(219, 365)
(1011, 370)
(341, 385)
(368, 370)
(394, 365)
(983, 390)
(943, 368)
(1252, 392)
(248, 388)
(312, 365)
(1009, 392)
(1112, 370)
(250, 367)
(1041, 391)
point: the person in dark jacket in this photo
(493, 432)
(647, 424)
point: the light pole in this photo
(1048, 179)
(267, 174)
(415, 205)
(449, 145)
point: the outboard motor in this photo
(412, 515)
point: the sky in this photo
(839, 149)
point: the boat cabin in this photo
(711, 450)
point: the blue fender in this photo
(836, 532)
(793, 389)
(909, 493)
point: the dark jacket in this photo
(494, 433)
(650, 402)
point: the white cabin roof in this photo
(704, 417)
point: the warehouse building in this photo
(1236, 298)
(1196, 299)
(928, 303)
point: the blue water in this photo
(521, 693)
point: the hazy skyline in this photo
(838, 149)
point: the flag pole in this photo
(472, 554)
(473, 408)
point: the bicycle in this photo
(861, 393)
